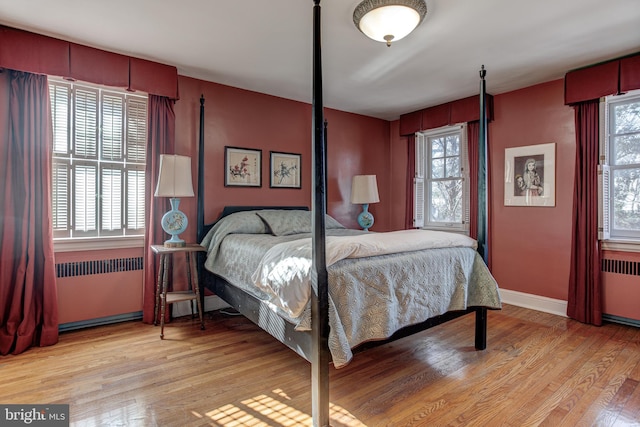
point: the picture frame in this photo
(243, 167)
(530, 175)
(285, 170)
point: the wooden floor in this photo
(538, 369)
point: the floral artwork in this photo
(240, 170)
(285, 170)
(243, 167)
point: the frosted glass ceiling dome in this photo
(389, 20)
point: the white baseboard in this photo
(211, 303)
(534, 302)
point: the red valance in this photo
(24, 51)
(153, 77)
(630, 73)
(98, 66)
(591, 83)
(410, 123)
(435, 117)
(607, 78)
(460, 111)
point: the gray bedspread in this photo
(369, 298)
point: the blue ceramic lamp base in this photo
(365, 219)
(174, 222)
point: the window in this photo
(99, 154)
(441, 196)
(620, 167)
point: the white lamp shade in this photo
(364, 189)
(393, 21)
(174, 179)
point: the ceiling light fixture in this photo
(389, 20)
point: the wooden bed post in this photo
(483, 245)
(200, 202)
(483, 215)
(320, 357)
(200, 172)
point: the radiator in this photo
(66, 270)
(623, 267)
(618, 266)
(85, 268)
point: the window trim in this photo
(422, 181)
(106, 240)
(97, 243)
(609, 242)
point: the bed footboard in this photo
(259, 313)
(301, 342)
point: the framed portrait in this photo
(242, 167)
(530, 175)
(285, 170)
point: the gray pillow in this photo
(286, 222)
(245, 222)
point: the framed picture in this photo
(285, 170)
(530, 175)
(242, 167)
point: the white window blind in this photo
(99, 155)
(418, 182)
(112, 127)
(59, 95)
(85, 119)
(111, 200)
(84, 192)
(61, 187)
(135, 201)
(136, 130)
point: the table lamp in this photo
(174, 181)
(364, 190)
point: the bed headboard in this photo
(228, 210)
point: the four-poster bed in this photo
(316, 328)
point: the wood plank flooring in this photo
(538, 370)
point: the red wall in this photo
(399, 164)
(240, 118)
(530, 246)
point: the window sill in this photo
(97, 244)
(447, 230)
(621, 245)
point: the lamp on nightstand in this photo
(174, 181)
(364, 190)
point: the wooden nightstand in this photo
(163, 297)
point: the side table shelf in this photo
(163, 295)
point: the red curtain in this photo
(411, 172)
(585, 287)
(161, 140)
(28, 294)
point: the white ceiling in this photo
(265, 45)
